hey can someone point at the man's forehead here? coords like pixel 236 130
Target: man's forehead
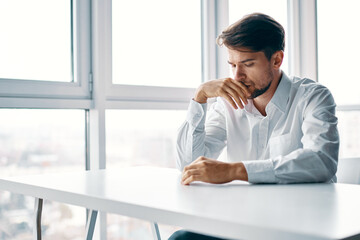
pixel 243 54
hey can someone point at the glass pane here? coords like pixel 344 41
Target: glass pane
pixel 338 51
pixel 125 228
pixel 349 131
pixel 156 43
pixel 277 9
pixel 35 42
pixel 34 141
pixel 140 137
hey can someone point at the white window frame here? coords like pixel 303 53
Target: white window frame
pixel 124 96
pixel 46 94
pixel 302 34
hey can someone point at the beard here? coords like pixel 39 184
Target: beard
pixel 257 92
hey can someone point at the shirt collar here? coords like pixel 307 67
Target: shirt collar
pixel 281 95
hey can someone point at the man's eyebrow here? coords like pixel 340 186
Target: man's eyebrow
pixel 244 61
pixel 248 60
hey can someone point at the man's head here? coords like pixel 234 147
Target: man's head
pixel 255 32
pixel 255 46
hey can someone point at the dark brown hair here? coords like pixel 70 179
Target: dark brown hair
pixel 255 32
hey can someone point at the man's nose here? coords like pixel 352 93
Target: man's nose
pixel 239 74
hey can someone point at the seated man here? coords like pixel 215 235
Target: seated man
pixel 277 129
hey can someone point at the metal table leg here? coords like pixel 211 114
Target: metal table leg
pixel 37 218
pixel 90 225
pixel 155 231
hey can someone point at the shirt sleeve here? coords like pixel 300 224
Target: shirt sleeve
pixel 317 160
pixel 195 138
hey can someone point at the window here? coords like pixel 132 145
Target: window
pixel 27 45
pixel 134 138
pixel 338 66
pixel 349 131
pixel 157 47
pixel 44 48
pixel 337 49
pixel 142 137
pixel 34 141
pixel 156 62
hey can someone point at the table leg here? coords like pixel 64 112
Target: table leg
pixel 155 231
pixel 90 225
pixel 37 218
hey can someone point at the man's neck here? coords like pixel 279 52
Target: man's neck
pixel 262 101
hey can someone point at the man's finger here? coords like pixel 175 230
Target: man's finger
pixel 191 179
pixel 199 159
pixel 239 91
pixel 229 99
pixel 235 96
pixel 244 88
pixel 193 165
pixel 189 173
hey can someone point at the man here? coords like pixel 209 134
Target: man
pixel 276 129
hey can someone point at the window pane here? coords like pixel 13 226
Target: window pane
pixel 277 9
pixel 349 131
pixel 140 137
pixel 34 141
pixel 156 43
pixel 125 228
pixel 338 51
pixel 35 42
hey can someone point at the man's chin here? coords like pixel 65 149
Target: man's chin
pixel 258 92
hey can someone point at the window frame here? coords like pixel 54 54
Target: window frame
pixel 27 91
pixel 119 95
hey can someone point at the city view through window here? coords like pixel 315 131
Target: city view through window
pixel 36 141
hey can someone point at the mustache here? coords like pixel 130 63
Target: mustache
pixel 247 84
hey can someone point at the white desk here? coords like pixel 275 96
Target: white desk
pixel 236 210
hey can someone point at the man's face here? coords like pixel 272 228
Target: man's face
pixel 253 69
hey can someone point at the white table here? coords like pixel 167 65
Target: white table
pixel 237 210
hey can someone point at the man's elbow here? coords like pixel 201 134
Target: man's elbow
pixel 330 169
pixel 331 174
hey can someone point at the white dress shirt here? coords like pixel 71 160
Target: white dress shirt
pixel 297 140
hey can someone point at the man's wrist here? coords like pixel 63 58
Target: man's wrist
pixel 199 96
pixel 200 99
pixel 239 171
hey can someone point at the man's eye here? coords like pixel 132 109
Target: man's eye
pixel 249 64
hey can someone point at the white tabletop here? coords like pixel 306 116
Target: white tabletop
pixel 237 210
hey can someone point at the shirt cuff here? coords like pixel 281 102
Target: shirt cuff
pixel 260 171
pixel 196 114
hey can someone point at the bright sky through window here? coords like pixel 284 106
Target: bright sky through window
pixel 156 43
pixel 35 42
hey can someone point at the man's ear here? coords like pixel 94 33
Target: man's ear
pixel 277 58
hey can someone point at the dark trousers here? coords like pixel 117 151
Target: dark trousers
pixel 185 235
